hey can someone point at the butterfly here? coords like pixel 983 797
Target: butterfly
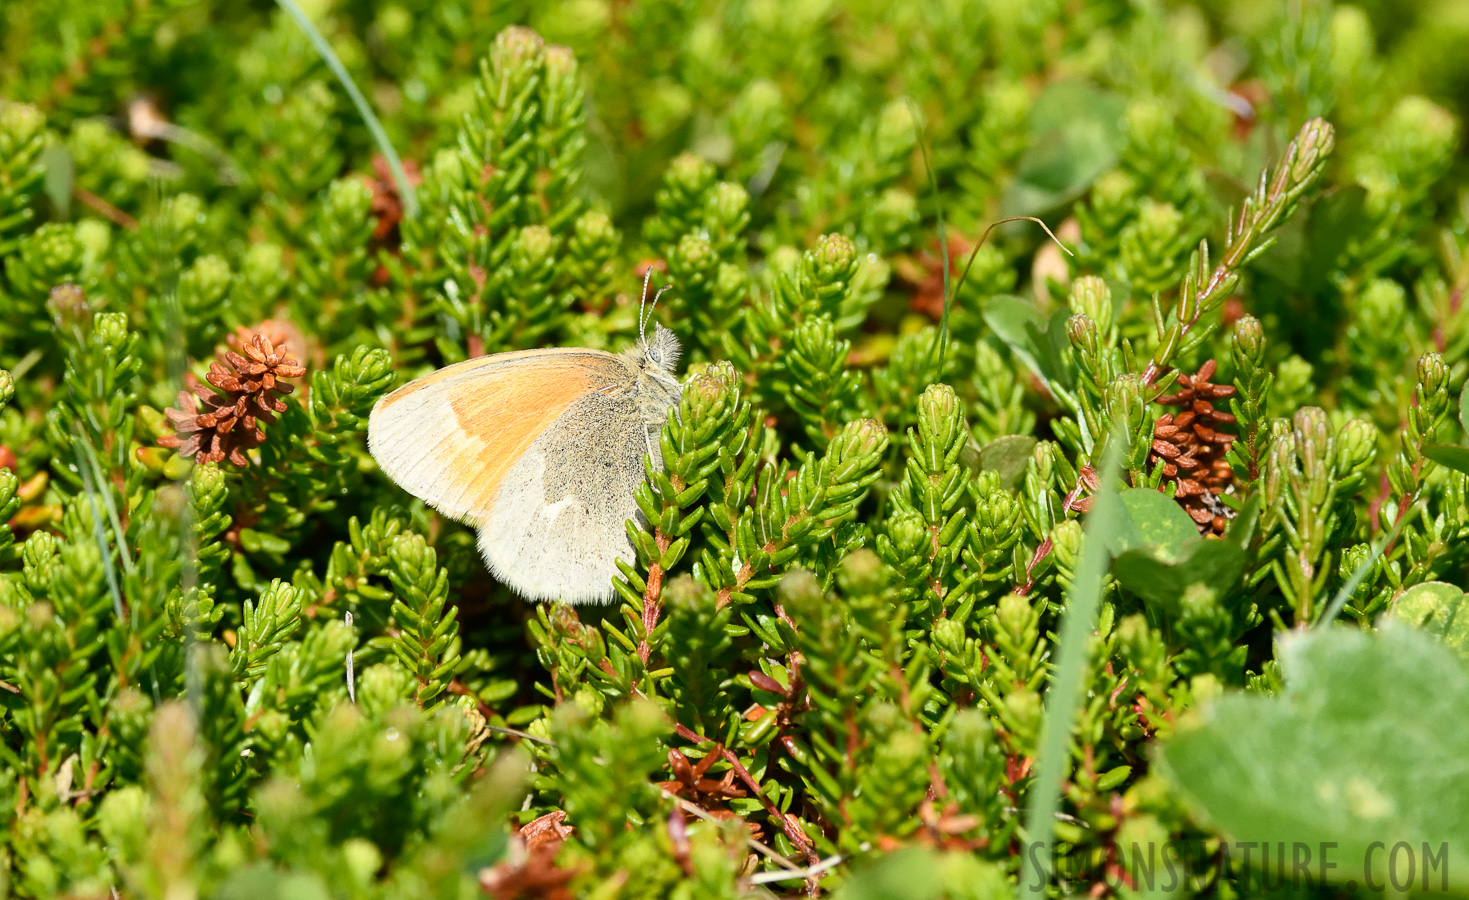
pixel 541 450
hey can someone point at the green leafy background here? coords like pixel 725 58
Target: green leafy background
pixel 828 668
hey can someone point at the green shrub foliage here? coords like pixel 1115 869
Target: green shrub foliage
pixel 827 668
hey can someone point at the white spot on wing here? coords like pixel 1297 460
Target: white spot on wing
pixel 560 506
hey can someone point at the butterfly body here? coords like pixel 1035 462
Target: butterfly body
pixel 542 450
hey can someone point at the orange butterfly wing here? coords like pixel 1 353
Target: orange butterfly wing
pixel 451 436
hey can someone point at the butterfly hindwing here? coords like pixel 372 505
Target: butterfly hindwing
pixel 559 524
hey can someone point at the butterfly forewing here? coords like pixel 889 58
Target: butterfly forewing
pixel 452 436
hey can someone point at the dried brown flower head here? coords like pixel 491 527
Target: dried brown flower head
pixel 1192 448
pixel 529 870
pixel 924 272
pixel 222 422
pixel 706 793
pixel 387 205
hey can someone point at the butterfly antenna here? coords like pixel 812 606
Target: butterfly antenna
pixel 656 297
pixel 643 302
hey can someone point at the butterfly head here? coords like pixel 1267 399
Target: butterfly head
pixel 661 351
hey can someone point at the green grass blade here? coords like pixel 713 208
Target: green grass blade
pixel 1344 593
pixel 106 496
pixel 942 344
pixel 1065 695
pixel 99 531
pixel 379 136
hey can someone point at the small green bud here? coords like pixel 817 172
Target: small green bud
pixel 1313 143
pixel 728 206
pixel 7 386
pixel 1383 304
pixel 757 112
pixel 111 329
pixel 1356 446
pixel 534 245
pixel 862 573
pixel 1153 245
pixel 1023 709
pixel 1149 122
pixel 1124 404
pixel 1279 462
pixel 263 263
pixel 948 636
pixel 1113 190
pixel 690 173
pixel 380 687
pixel 1248 345
pixel 1424 137
pixel 594 227
pixel 123 820
pixel 1082 332
pixel 940 417
pixel 895 210
pixel 48 256
pixel 1314 446
pixel 1205 687
pixel 1013 612
pixel 363 859
pixel 348 200
pixel 908 532
pixel 970 735
pixel 20 124
pixel 68 306
pixel 833 260
pixel 1293 385
pixel 800 592
pixel 711 389
pixel 884 718
pixel 95 238
pixel 1066 543
pixel 207 279
pixel 857 443
pixel 1433 375
pixel 667 106
pixel 515 48
pixel 730 281
pixel 642 721
pixel 184 212
pixel 208 482
pixel 1131 629
pixel 687 592
pixel 1091 297
pixel 692 254
pixel 561 64
pixel 589 701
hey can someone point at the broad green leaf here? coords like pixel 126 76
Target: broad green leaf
pixel 1039 342
pixel 1439 609
pixel 1367 744
pixel 1009 317
pixel 1152 520
pixel 1242 528
pixel 1202 565
pixel 1306 249
pixel 1076 135
pixel 1451 455
pixel 1009 455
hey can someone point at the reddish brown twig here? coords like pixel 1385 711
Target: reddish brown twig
pixel 791 829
